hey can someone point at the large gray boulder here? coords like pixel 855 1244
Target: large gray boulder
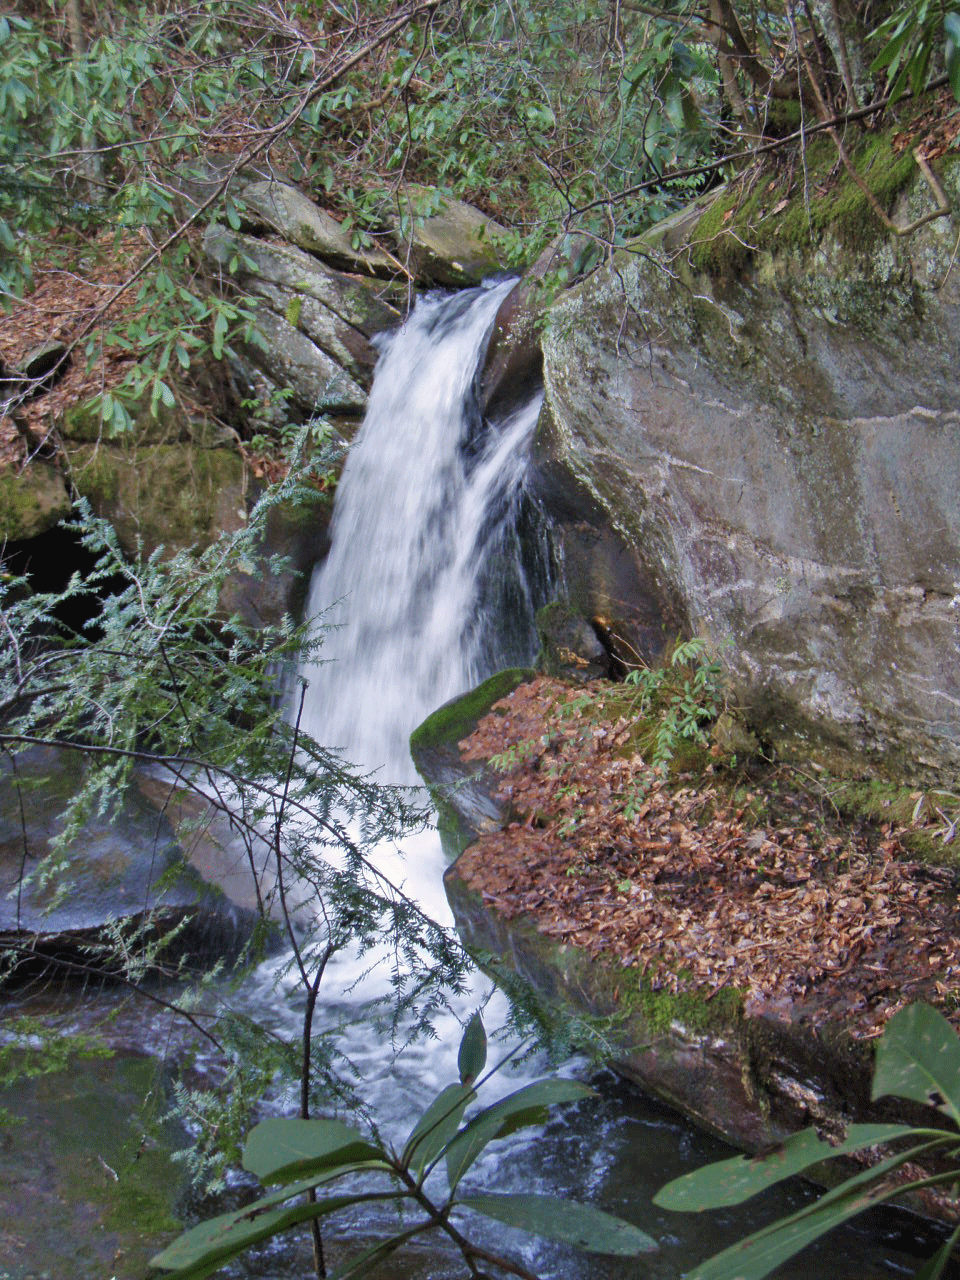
pixel 294 216
pixel 315 322
pixel 367 306
pixel 121 872
pixel 777 435
pixel 446 241
pixel 317 383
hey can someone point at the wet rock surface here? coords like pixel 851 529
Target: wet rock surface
pixel 120 872
pixel 87 1183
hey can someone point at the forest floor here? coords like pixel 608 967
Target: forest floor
pixel 749 877
pixel 71 292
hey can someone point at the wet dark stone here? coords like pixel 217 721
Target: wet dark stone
pixel 124 870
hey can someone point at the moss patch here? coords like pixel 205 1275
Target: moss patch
pixel 174 495
pixel 794 208
pixel 85 1172
pixel 924 819
pixel 31 502
pixel 458 717
pixel 646 1011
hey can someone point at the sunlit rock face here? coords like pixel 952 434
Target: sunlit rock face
pixel 779 440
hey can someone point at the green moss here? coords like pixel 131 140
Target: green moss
pixel 174 495
pixel 97 478
pixel 796 209
pixel 881 801
pixel 717 242
pixel 31 502
pixel 87 1173
pixel 458 718
pixel 696 1011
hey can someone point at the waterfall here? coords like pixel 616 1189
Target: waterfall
pixel 424 592
pixel 424 552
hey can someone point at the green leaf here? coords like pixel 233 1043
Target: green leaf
pixel 760 1253
pixel 567 1221
pixel 285 1148
pixel 473 1051
pixel 951 28
pixel 436 1126
pixel 731 1182
pixel 207 1246
pixel 525 1107
pixel 889 55
pixel 220 327
pixel 935 1268
pixel 919 65
pixel 919 1058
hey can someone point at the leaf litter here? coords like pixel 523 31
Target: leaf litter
pixel 678 878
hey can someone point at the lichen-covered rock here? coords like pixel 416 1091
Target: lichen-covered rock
pixel 318 383
pixel 175 496
pixel 315 323
pixel 780 442
pixel 294 216
pixel 368 306
pixel 31 501
pixel 450 243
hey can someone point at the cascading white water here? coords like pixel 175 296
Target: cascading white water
pixel 424 503
pixel 424 519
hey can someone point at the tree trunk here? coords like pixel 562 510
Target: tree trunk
pixel 89 167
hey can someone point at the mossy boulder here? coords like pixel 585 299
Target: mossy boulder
pixel 464 799
pixel 177 496
pixel 770 420
pixel 150 424
pixel 451 243
pixel 87 1179
pixel 750 1070
pixel 31 501
pixel 294 216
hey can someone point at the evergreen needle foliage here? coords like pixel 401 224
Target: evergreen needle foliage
pixel 160 679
